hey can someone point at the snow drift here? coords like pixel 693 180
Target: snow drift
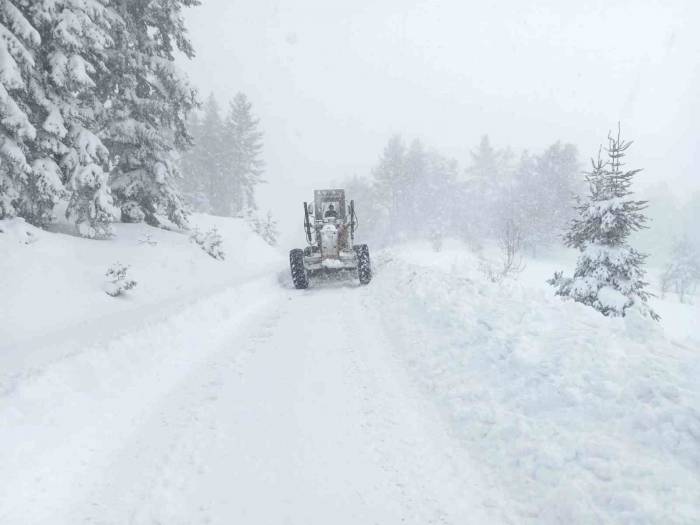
pixel 577 416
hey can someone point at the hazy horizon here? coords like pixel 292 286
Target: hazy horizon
pixel 331 84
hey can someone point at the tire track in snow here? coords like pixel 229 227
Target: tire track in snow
pixel 167 454
pixel 300 416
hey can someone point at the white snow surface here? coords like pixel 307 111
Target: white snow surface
pixel 575 416
pixel 55 283
pixel 214 392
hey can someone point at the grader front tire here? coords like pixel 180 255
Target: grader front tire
pixel 296 265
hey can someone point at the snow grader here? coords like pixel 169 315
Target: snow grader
pixel 330 228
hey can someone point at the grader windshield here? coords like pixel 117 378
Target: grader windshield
pixel 325 199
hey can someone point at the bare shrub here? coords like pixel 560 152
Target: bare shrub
pixel 510 262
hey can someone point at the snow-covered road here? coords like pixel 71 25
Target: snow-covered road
pixel 292 409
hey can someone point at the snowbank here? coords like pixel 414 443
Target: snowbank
pixel 55 282
pixel 53 286
pixel 80 370
pixel 578 417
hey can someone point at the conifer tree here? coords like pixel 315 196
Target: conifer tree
pixel 609 275
pixel 190 182
pixel 544 185
pixel 51 48
pixel 412 196
pixel 147 105
pixel 76 77
pixel 368 209
pixel 18 39
pixel 205 162
pixel 243 142
pixel 390 177
pixel 682 272
pixel 75 43
pixel 438 198
pixel 486 161
pixel 488 186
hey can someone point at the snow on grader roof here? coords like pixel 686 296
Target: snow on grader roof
pixel 330 227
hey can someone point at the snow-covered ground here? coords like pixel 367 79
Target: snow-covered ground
pixel 55 281
pixel 215 393
pixel 577 417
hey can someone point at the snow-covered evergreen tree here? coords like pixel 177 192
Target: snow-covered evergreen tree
pixel 270 230
pixel 414 193
pixel 412 197
pixel 438 198
pixel 544 185
pixel 367 208
pixel 193 181
pixel 682 273
pixel 90 206
pixel 117 280
pixel 489 181
pixel 77 76
pixel 75 43
pixel 204 164
pixel 209 241
pixel 487 162
pixel 609 275
pixel 224 166
pixel 147 106
pixel 18 39
pixel 243 143
pixel 390 180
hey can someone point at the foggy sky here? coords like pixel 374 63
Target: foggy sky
pixel 331 80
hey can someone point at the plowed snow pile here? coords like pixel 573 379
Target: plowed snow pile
pixel 578 417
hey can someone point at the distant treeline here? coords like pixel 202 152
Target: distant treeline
pixel 415 192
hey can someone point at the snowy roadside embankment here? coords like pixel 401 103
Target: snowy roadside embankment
pixel 52 284
pixel 578 417
pixel 64 423
pixel 80 370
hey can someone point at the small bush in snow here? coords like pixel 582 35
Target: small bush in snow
pixel 210 242
pixel 117 280
pixel 511 262
pixel 266 228
pixel 147 239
